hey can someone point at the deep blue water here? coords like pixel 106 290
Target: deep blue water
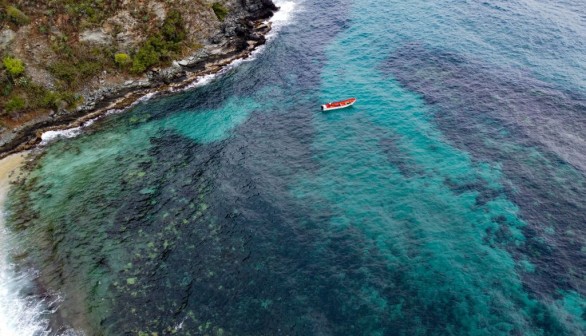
pixel 450 200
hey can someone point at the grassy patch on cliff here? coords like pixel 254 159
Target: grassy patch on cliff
pixel 73 72
pixel 17 16
pixel 122 60
pixel 12 15
pixel 86 12
pixel 220 11
pixel 161 46
pixel 20 94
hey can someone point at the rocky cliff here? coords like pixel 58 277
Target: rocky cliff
pixel 63 59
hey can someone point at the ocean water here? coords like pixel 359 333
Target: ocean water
pixel 450 200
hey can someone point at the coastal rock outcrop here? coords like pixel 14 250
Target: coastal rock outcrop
pixel 79 58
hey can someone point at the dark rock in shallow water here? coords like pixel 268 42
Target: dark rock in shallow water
pixel 534 131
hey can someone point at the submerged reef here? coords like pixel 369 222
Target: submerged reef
pixel 534 132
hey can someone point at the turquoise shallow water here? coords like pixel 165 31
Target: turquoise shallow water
pixel 450 200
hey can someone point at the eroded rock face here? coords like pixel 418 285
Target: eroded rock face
pixel 6 36
pixel 159 10
pixel 124 28
pixel 96 36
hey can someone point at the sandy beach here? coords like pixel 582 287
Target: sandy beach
pixel 9 168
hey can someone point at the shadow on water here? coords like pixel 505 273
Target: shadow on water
pixel 534 132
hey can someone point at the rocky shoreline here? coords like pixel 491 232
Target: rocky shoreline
pixel 237 41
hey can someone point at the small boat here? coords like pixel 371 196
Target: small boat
pixel 338 105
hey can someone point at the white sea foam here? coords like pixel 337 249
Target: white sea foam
pixel 142 99
pixel 19 316
pixel 206 79
pixel 50 136
pixel 283 16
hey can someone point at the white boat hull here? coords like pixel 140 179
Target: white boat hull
pixel 325 108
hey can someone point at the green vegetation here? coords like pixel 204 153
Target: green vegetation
pixel 6 86
pixel 60 46
pixel 162 45
pixel 173 30
pixel 27 95
pixel 17 16
pixel 64 71
pixel 220 11
pixel 78 63
pixel 122 60
pixel 53 99
pixel 22 94
pixel 15 104
pixel 88 12
pixel 73 72
pixel 49 99
pixel 14 66
pixel 146 57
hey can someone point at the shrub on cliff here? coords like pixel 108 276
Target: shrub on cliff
pixel 162 45
pixel 173 30
pixel 85 13
pixel 64 71
pixel 122 60
pixel 38 97
pixel 6 87
pixel 220 11
pixel 14 66
pixel 17 16
pixel 54 99
pixel 15 104
pixel 72 72
pixel 146 57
